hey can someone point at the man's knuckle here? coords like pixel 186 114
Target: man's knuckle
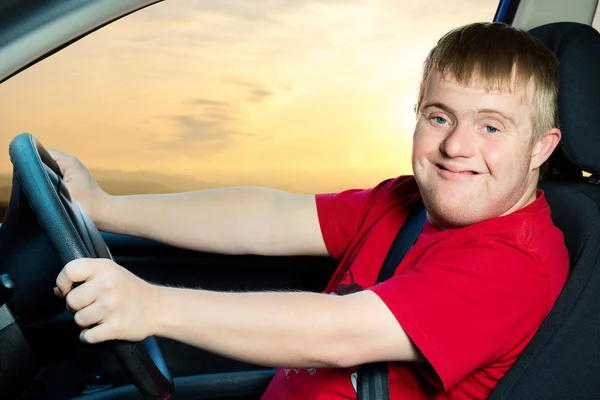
pixel 90 336
pixel 111 303
pixel 70 270
pixel 78 319
pixel 71 301
pixel 108 284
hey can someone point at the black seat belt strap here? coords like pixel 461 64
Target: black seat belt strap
pixel 373 378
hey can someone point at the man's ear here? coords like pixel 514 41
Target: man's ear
pixel 543 148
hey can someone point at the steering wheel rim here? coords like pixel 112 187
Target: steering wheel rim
pixel 72 235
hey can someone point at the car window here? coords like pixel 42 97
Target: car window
pixel 311 96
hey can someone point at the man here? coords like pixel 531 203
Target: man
pixel 464 302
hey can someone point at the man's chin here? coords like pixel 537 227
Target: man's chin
pixel 455 214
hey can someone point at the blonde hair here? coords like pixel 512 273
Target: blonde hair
pixel 500 57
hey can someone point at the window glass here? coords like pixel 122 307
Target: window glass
pixel 596 21
pixel 308 96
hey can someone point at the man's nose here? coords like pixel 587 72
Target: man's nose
pixel 460 142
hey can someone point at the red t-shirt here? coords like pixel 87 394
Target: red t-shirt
pixel 470 298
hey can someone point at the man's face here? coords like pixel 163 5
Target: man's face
pixel 472 152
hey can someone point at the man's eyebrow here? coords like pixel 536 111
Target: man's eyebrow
pixel 500 113
pixel 439 105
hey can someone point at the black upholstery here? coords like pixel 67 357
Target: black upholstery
pixel 577 47
pixel 563 359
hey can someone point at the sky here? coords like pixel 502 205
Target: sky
pixel 309 95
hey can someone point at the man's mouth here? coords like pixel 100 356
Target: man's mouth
pixel 456 170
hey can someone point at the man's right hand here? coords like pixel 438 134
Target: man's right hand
pixel 80 183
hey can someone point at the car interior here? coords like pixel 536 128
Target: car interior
pixel 41 356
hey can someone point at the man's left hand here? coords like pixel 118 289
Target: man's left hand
pixel 110 303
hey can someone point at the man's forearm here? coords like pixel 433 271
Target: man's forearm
pixel 241 220
pixel 295 330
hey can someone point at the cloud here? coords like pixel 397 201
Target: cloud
pixel 222 117
pixel 200 133
pixel 209 127
pixel 241 83
pixel 213 110
pixel 259 94
pixel 255 91
pixel 207 102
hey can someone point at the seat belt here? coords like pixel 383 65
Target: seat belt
pixel 373 378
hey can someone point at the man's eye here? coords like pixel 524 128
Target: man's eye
pixel 440 120
pixel 491 129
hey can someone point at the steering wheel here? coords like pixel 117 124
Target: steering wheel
pixel 72 235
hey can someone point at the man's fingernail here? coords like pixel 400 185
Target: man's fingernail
pixel 57 292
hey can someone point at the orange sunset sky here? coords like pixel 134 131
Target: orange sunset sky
pixel 308 95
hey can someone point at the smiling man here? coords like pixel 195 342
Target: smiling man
pixel 467 298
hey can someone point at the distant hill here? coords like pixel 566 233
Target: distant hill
pixel 5 194
pixel 119 183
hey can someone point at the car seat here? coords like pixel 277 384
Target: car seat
pixel 562 361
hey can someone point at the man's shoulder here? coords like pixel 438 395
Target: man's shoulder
pixel 396 193
pixel 400 185
pixel 545 242
pixel 393 200
pixel 389 194
pixel 527 237
pixel 525 226
pixel 348 216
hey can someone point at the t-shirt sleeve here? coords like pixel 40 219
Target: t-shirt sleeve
pixel 342 214
pixel 469 307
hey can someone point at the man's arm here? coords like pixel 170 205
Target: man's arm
pixel 239 220
pixel 293 330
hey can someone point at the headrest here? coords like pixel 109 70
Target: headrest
pixel 577 47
